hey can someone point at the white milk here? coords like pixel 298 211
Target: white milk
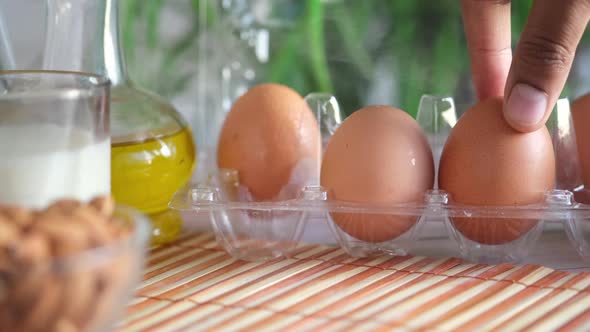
pixel 42 163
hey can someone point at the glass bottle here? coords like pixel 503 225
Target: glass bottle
pixel 152 151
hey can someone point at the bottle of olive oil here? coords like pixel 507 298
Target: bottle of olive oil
pixel 153 151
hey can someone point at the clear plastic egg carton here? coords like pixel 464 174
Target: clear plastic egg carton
pixel 254 230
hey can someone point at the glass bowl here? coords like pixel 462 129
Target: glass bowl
pixel 87 291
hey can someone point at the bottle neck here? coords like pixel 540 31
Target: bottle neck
pixel 114 59
pixel 83 35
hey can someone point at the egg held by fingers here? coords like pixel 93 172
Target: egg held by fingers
pixel 581 120
pixel 487 163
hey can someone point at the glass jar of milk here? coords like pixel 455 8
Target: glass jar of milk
pixel 54 137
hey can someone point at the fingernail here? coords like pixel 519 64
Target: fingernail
pixel 526 105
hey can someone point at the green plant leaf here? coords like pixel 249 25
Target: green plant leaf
pixel 153 10
pixel 352 41
pixel 317 56
pixel 129 14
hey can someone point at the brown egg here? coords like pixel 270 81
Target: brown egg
pixel 269 132
pixel 378 155
pixel 486 162
pixel 581 118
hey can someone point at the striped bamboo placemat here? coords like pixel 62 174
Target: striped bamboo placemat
pixel 194 285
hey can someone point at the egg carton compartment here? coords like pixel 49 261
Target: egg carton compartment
pixel 480 234
pixel 261 230
pixel 267 230
pixel 246 230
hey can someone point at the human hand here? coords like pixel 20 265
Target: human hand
pixel 531 82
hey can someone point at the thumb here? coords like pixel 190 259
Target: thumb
pixel 543 60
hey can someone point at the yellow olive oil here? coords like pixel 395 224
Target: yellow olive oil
pixel 146 174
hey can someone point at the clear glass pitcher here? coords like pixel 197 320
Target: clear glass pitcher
pixel 152 150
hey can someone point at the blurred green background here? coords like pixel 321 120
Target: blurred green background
pixel 372 51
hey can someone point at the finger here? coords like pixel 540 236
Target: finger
pixel 487 29
pixel 543 60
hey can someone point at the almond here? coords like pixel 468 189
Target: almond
pixel 64 325
pixel 78 295
pixel 25 289
pixel 33 248
pixel 18 215
pixel 66 237
pixel 105 205
pixel 7 320
pixel 4 288
pixel 46 309
pixel 9 232
pixel 63 206
pixel 98 231
pixel 102 306
pixel 112 280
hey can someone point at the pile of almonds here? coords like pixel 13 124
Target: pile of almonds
pixel 50 280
